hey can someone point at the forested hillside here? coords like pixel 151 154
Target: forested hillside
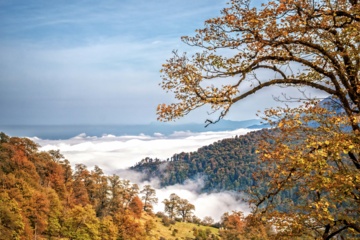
pixel 42 197
pixel 228 164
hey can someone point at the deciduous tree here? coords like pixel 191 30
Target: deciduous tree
pixel 11 221
pixel 208 221
pixel 149 197
pixel 55 213
pixel 136 207
pixel 185 209
pixel 81 223
pixel 232 224
pixel 171 205
pixel 108 230
pixel 313 155
pixel 176 206
pixel 298 44
pixel 37 212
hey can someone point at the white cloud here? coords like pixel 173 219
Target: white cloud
pixel 111 152
pixel 114 154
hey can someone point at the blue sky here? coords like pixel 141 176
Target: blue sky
pixel 95 62
pixel 90 62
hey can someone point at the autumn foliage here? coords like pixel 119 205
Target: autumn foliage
pixel 296 43
pixel 41 197
pixel 314 153
pixel 176 206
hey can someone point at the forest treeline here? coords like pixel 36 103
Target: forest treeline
pixel 41 196
pixel 227 164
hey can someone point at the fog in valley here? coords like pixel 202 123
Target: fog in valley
pixel 115 154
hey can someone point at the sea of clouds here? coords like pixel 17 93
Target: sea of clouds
pixel 115 154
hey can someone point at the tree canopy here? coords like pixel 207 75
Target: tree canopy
pixel 315 151
pixel 176 206
pixel 314 156
pixel 41 197
pixel 312 43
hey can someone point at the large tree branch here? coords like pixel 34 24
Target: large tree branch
pixel 329 236
pixel 354 160
pixel 354 226
pixel 291 59
pixel 324 53
pixel 284 81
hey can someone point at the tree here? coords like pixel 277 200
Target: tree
pixel 315 152
pixel 115 193
pixel 232 224
pixel 185 209
pixel 81 184
pixel 298 43
pixel 311 156
pixel 128 227
pixel 171 205
pixel 108 230
pixel 136 207
pixel 38 211
pixel 11 221
pixel 207 221
pixel 149 197
pixel 81 223
pixel 127 192
pixel 55 213
pixel 100 191
pixel 176 206
pixel 237 227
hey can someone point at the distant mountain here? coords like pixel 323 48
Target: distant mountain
pixel 69 131
pixel 223 125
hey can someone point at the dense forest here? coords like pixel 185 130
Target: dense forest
pixel 43 197
pixel 227 164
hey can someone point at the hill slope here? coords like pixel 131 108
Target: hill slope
pixel 41 197
pixel 224 165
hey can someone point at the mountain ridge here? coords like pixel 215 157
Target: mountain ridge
pixel 227 164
